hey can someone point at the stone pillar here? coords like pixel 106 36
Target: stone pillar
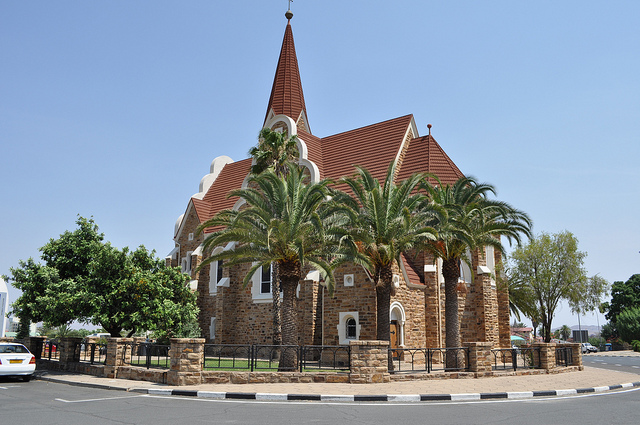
pixel 576 354
pixel 118 354
pixel 69 349
pixel 547 355
pixel 187 360
pixel 35 345
pixel 479 356
pixel 369 362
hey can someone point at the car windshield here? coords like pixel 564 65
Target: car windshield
pixel 13 349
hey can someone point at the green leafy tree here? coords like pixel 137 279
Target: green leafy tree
pixel 133 290
pixel 88 280
pixel 628 324
pixel 282 223
pixel 591 298
pixel 624 295
pixel 551 266
pixel 274 151
pixel 468 220
pixel 383 221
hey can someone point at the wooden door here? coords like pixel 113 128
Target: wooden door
pixel 393 336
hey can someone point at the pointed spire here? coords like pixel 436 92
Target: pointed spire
pixel 286 94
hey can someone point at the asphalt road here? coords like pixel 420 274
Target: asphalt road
pixel 620 364
pixel 39 402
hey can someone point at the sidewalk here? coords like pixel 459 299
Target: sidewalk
pixel 528 386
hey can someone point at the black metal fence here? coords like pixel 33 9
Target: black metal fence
pixel 429 359
pixel 564 356
pixel 145 354
pixel 253 357
pixel 92 353
pixel 516 358
pixel 50 350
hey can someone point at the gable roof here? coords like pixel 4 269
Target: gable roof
pixel 287 97
pixel 425 155
pixel 372 147
pixel 230 178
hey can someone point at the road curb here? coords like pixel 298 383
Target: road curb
pixel 343 398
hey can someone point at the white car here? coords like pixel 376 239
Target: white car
pixel 16 360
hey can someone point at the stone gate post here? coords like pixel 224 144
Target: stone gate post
pixel 479 357
pixel 187 361
pixel 117 355
pixel 369 362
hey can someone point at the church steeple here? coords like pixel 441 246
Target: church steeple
pixel 287 97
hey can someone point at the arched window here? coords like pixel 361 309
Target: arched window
pixel 351 328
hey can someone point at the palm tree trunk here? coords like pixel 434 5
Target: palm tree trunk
pixel 277 325
pixel 383 304
pixel 451 273
pixel 289 357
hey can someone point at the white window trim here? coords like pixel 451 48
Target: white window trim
pixel 212 329
pixel 400 318
pixel 342 327
pixel 256 284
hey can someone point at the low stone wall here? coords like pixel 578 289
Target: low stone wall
pixel 369 364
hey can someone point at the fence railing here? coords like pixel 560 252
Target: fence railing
pixel 564 356
pixel 92 353
pixel 145 354
pixel 253 357
pixel 516 358
pixel 50 350
pixel 429 359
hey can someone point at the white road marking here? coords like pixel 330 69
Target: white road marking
pixel 89 400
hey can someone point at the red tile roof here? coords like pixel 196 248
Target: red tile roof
pixel 426 155
pixel 230 178
pixel 373 146
pixel 286 94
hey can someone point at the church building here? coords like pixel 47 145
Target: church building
pixel 231 314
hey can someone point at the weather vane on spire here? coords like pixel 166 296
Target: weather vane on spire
pixel 289 13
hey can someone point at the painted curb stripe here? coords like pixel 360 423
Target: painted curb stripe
pixel 614 387
pixel 465 397
pixel 435 397
pixel 336 397
pixel 156 391
pixel 585 390
pixel 271 397
pixel 520 394
pixel 403 397
pixel 566 392
pixel 305 397
pixel 212 394
pixel 185 393
pixel 241 396
pixel 544 393
pixel 487 396
pixel 370 398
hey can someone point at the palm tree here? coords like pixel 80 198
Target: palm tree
pixel 274 151
pixel 565 332
pixel 467 220
pixel 382 221
pixel 282 223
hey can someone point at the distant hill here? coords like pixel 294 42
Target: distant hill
pixel 593 329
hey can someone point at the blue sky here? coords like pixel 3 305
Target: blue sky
pixel 116 109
